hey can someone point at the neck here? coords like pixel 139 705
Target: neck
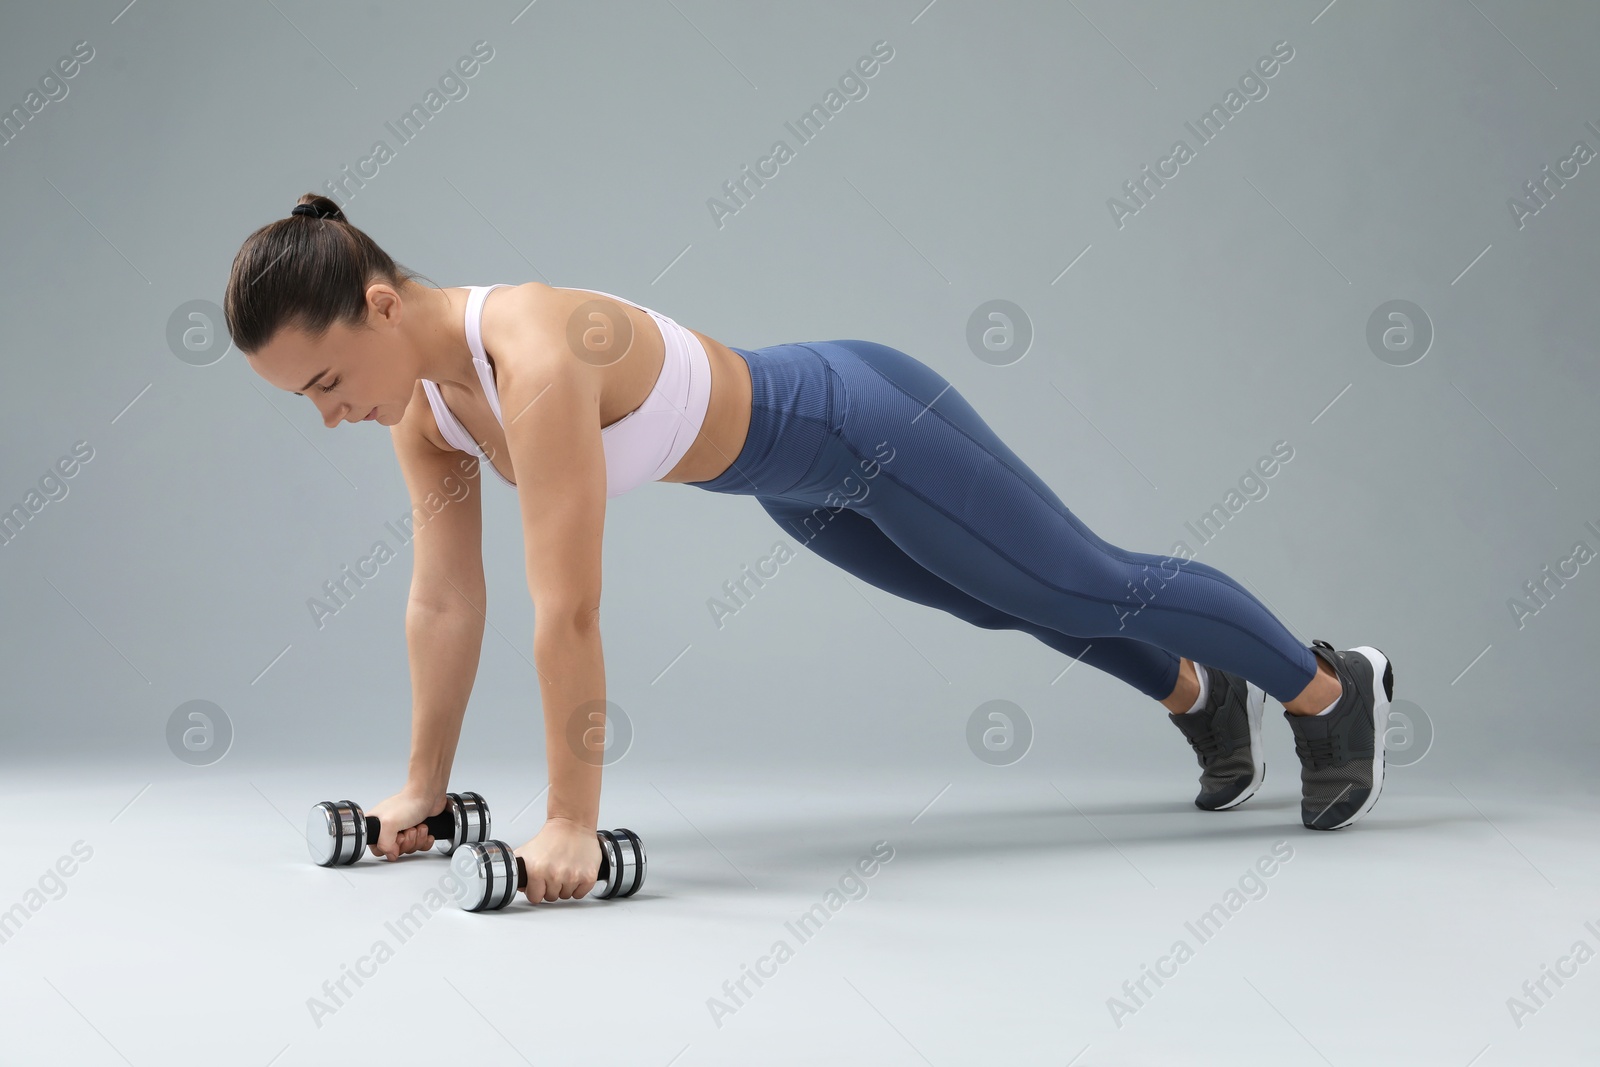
pixel 440 334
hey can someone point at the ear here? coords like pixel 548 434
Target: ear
pixel 383 303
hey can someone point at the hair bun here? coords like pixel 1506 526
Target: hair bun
pixel 321 208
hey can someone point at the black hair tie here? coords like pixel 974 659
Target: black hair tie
pixel 312 209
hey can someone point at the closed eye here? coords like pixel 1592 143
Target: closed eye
pixel 329 387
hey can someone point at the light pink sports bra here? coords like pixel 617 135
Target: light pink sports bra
pixel 640 447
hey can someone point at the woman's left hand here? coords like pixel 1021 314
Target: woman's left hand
pixel 563 861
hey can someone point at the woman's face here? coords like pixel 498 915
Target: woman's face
pixel 350 373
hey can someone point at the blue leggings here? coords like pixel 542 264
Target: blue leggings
pixel 876 463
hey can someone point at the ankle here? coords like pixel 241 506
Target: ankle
pixel 1185 691
pixel 1323 690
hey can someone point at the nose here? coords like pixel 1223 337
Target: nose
pixel 336 416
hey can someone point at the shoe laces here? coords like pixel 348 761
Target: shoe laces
pixel 1320 752
pixel 1207 742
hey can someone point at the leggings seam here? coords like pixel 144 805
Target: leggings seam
pixel 1019 565
pixel 1022 475
pixel 946 420
pixel 1111 550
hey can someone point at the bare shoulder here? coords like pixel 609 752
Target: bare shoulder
pixel 527 334
pixel 529 311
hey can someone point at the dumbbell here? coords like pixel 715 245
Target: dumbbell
pixel 338 832
pixel 494 874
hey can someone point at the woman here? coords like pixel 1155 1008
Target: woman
pixel 863 453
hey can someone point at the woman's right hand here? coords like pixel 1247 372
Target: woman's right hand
pixel 399 823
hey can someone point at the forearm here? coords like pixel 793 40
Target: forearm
pixel 572 690
pixel 444 646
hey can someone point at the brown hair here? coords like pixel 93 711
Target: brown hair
pixel 304 271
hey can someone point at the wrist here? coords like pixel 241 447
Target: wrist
pixel 572 823
pixel 424 792
pixel 428 772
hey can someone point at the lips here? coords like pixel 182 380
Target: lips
pixel 370 414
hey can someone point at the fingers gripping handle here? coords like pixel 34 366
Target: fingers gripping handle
pixel 601 878
pixel 338 833
pixel 441 826
pixel 493 874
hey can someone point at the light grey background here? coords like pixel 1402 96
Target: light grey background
pixel 1229 313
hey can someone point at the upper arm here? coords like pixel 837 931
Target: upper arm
pixel 550 402
pixel 447 518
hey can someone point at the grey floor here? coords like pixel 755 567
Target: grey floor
pixel 1015 905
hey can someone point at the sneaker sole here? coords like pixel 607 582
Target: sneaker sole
pixel 1254 706
pixel 1382 695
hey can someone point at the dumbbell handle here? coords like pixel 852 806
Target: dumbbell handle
pixel 600 876
pixel 442 826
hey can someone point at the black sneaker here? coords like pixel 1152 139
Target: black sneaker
pixel 1226 738
pixel 1341 753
